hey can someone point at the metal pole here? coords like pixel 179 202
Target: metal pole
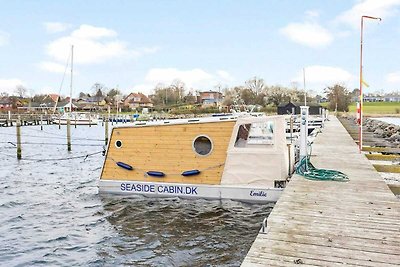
pixel 360 130
pixel 303 133
pixel 361 93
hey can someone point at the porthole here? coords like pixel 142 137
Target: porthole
pixel 202 145
pixel 118 144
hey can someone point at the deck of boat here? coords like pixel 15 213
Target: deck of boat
pixel 326 223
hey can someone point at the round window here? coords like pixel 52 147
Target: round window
pixel 118 144
pixel 202 145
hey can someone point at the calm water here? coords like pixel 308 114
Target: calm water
pixel 391 120
pixel 51 213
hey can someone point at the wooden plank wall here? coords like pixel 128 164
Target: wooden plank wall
pixel 168 148
pixel 325 223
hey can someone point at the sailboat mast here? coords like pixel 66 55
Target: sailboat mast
pixel 72 71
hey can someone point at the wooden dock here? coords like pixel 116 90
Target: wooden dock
pixel 326 223
pixel 26 119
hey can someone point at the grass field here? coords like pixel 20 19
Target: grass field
pixel 378 107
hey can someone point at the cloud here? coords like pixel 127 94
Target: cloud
pixel 393 77
pixel 312 14
pixel 310 34
pixel 92 45
pixel 376 8
pixel 194 78
pixel 52 67
pixel 56 27
pixel 224 75
pixel 4 37
pixel 321 76
pixel 9 85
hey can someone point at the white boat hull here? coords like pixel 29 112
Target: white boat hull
pixel 76 122
pixel 150 189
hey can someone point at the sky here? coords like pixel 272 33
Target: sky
pixel 135 45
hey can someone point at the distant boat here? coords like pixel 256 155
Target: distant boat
pixel 77 118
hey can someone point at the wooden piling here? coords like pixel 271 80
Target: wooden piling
pixel 59 121
pixel 41 122
pixel 68 134
pixel 289 146
pixel 106 131
pixel 19 148
pixel 75 121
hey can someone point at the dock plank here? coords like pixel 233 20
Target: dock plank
pixel 325 223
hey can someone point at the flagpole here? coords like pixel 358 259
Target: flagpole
pixel 360 130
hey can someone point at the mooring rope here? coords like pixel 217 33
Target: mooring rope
pixel 57 137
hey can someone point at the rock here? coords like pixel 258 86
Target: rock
pixel 395 137
pixel 378 132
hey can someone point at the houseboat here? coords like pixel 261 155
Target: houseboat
pixel 243 157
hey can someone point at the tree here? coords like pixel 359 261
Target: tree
pixel 178 89
pixel 277 95
pixel 21 91
pixel 113 92
pixel 39 98
pixel 190 98
pixel 255 85
pixel 98 90
pixel 248 96
pixel 339 97
pixel 160 96
pixel 82 95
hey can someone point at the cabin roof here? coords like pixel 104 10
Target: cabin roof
pixel 298 104
pixel 195 120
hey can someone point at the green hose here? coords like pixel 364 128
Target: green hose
pixel 306 169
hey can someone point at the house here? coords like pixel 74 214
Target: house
pixel 372 98
pixel 6 103
pixel 52 98
pixel 294 108
pixel 392 98
pixel 91 103
pixel 210 98
pixel 137 100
